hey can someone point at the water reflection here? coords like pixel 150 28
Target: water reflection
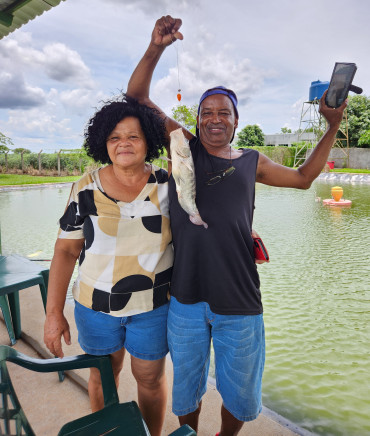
pixel 316 299
pixel 315 295
pixel 29 221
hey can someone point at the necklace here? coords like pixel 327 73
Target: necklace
pixel 220 175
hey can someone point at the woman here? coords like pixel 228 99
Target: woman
pixel 117 224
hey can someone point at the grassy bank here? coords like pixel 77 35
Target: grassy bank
pixel 24 179
pixel 350 170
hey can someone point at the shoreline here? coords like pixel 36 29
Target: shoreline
pixel 344 177
pixel 328 177
pixel 6 188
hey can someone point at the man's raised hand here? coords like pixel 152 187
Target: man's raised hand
pixel 166 31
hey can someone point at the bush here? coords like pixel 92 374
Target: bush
pixel 358 111
pixel 364 140
pixel 70 163
pixel 250 136
pixel 281 155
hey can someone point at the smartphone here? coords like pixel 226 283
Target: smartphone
pixel 260 252
pixel 340 83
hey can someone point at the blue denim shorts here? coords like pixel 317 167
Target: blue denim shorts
pixel 143 335
pixel 239 348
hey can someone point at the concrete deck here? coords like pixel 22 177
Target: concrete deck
pixel 49 404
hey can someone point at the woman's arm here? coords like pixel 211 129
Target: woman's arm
pixel 66 253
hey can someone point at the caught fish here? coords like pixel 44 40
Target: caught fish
pixel 184 175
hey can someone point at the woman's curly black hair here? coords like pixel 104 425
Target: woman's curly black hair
pixel 105 120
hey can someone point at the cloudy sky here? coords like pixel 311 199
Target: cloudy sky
pixel 56 69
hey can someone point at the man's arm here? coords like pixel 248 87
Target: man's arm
pixel 165 32
pixel 273 174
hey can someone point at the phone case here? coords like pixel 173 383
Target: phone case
pixel 260 251
pixel 340 82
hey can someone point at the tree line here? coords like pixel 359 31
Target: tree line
pixel 76 161
pixel 358 116
pixel 64 162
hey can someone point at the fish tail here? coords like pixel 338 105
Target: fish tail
pixel 197 220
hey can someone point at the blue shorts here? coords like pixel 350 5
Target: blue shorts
pixel 143 335
pixel 239 347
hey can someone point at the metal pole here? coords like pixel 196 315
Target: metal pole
pixel 59 162
pixel 6 160
pixel 346 119
pixel 22 161
pixel 39 158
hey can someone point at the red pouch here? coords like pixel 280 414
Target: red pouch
pixel 260 252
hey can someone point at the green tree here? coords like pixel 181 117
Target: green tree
pixel 286 130
pixel 5 142
pixel 186 116
pixel 364 140
pixel 20 150
pixel 358 112
pixel 250 136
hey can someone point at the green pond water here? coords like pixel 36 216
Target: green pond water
pixel 315 294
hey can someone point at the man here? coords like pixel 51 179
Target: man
pixel 215 285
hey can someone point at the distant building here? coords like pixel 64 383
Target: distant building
pixel 288 138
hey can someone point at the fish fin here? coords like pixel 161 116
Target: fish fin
pixel 180 182
pixel 197 220
pixel 188 165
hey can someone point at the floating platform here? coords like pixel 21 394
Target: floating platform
pixel 340 203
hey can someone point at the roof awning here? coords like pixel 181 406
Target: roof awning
pixel 15 13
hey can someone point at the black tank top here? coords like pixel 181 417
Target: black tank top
pixel 216 265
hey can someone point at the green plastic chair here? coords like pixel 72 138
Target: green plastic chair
pixel 10 285
pixel 17 273
pixel 14 263
pixel 115 418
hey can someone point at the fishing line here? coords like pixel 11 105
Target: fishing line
pixel 178 72
pixel 179 96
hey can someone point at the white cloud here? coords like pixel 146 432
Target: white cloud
pixel 69 58
pixel 38 123
pixel 201 69
pixel 16 93
pixel 42 113
pixel 81 101
pixel 41 129
pixel 63 64
pixel 56 60
pixel 151 7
